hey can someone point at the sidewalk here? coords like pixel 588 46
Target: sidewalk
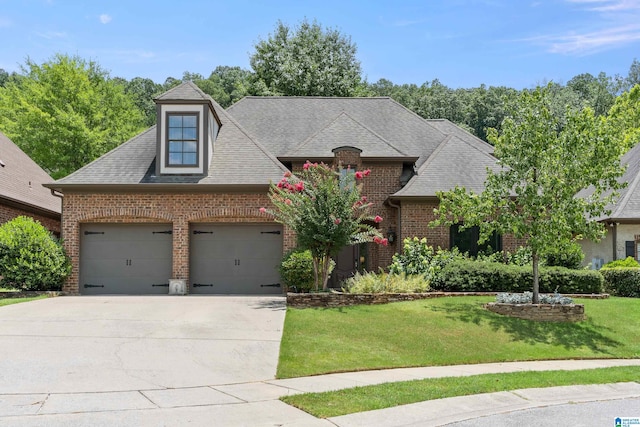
pixel 445 411
pixel 257 404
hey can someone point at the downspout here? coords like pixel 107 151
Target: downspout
pixel 61 196
pixel 399 220
pixel 614 235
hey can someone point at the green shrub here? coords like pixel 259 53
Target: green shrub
pixel 622 282
pixel 372 283
pixel 296 270
pixel 31 259
pixel 418 258
pixel 628 262
pixel 480 276
pixel 568 256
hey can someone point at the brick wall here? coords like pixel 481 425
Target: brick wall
pixel 7 213
pixel 180 210
pixel 416 217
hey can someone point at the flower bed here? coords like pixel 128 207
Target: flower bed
pixel 339 299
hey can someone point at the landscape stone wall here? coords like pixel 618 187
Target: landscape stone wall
pixel 540 312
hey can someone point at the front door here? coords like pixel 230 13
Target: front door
pixel 346 265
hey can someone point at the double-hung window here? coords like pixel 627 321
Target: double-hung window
pixel 183 140
pixel 467 240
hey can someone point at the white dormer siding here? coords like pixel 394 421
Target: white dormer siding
pixel 213 132
pixel 166 161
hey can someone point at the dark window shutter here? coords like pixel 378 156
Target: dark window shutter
pixel 629 249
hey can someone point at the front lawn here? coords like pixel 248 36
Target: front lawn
pixel 448 331
pixel 9 301
pixel 369 398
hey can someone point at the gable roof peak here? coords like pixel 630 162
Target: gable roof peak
pixel 344 127
pixel 186 91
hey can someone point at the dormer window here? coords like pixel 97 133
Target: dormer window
pixel 186 132
pixel 183 139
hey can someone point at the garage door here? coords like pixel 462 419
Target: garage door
pixel 125 258
pixel 235 259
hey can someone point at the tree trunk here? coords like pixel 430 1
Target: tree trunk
pixel 316 275
pixel 536 277
pixel 326 261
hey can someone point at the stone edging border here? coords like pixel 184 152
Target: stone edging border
pixel 28 294
pixel 339 299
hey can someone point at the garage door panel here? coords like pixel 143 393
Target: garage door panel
pixel 235 259
pixel 125 258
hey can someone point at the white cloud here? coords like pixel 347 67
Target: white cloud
pixel 607 24
pixel 592 42
pixel 105 19
pixel 608 5
pixel 5 22
pixel 49 35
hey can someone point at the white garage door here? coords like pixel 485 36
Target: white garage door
pixel 132 259
pixel 235 259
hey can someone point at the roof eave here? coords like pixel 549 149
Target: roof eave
pixel 19 204
pixel 377 159
pixel 159 187
pixel 191 102
pixel 422 198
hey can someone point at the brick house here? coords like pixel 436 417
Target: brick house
pixel 181 200
pixel 21 190
pixel 623 224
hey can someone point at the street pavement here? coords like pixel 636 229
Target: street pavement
pixel 211 361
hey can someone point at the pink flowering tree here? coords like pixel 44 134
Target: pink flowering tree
pixel 325 210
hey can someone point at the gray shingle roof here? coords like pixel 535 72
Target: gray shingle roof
pixel 21 178
pixel 257 130
pixel 627 206
pixel 237 158
pixel 456 162
pixel 283 123
pixel 445 126
pixel 344 130
pixel 187 91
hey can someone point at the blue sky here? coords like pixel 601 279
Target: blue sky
pixel 463 43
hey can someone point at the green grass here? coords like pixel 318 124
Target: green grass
pixel 448 331
pixel 359 399
pixel 9 301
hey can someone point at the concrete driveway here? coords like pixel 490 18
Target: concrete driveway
pixel 93 360
pixel 118 343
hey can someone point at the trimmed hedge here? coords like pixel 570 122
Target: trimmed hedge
pixel 622 282
pixel 474 276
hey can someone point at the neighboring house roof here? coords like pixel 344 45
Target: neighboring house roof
pixel 21 179
pixel 237 158
pixel 456 162
pixel 627 206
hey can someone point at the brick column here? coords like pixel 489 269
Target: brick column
pixel 181 249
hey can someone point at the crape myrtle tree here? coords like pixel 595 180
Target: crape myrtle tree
pixel 533 194
pixel 326 211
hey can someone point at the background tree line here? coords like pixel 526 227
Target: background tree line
pixel 69 111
